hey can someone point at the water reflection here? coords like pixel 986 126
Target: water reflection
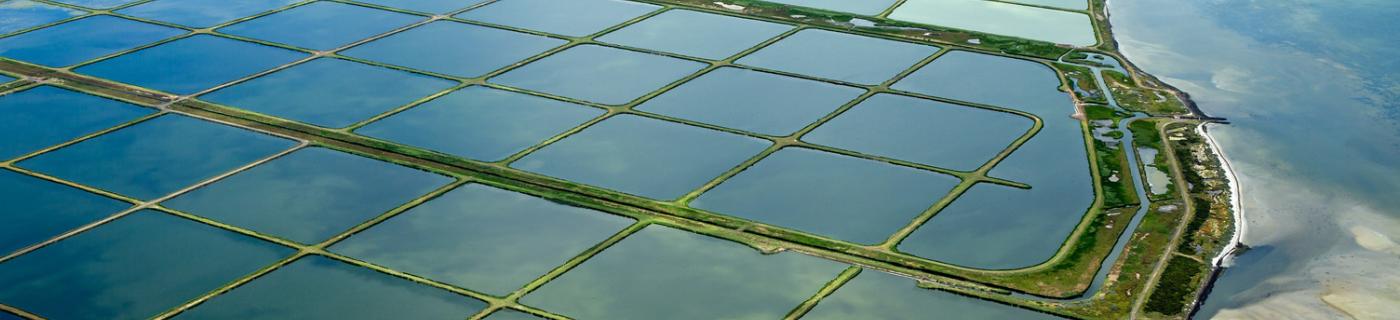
pixel 575 72
pixel 82 40
pixel 923 131
pixel 429 6
pixel 329 92
pixel 650 158
pixel 751 100
pixel 97 4
pixel 309 195
pixel 1001 18
pixel 422 48
pixel 481 123
pixel 45 116
pixel 316 287
pixel 321 25
pixel 24 14
pixel 852 199
pixel 982 228
pixel 201 13
pixel 1310 89
pixel 708 36
pixel 483 238
pixel 686 276
pixel 157 157
pixel 36 210
pixel 191 64
pixel 876 295
pixel 571 18
pixel 132 268
pixel 839 56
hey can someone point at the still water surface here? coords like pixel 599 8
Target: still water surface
pixel 1313 90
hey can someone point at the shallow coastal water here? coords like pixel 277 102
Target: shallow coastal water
pixel 1313 93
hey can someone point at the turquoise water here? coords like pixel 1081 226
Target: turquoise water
pixel 753 101
pixel 645 157
pixel 329 92
pixel 191 64
pixel 44 116
pixel 36 210
pixel 82 40
pixel 483 238
pixel 135 267
pixel 97 4
pixel 508 314
pixel 575 73
pixel 309 195
pixel 839 56
pixel 570 18
pixel 923 131
pixel 876 295
pixel 429 6
pixel 481 123
pixel 865 7
pixel 316 287
pixel 846 198
pixel 23 14
pixel 708 36
pixel 321 25
pixel 201 13
pixel 686 276
pixel 5 78
pixel 1310 88
pixel 1062 4
pixel 157 157
pixel 423 48
pixel 1000 18
pixel 1001 227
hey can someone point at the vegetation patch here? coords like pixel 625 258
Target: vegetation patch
pixel 1177 286
pixel 1205 234
pixel 1082 83
pixel 1133 97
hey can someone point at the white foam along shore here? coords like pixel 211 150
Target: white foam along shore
pixel 1236 204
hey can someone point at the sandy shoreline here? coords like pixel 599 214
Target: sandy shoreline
pixel 1222 259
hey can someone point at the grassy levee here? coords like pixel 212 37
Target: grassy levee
pixel 1066 275
pixel 758 236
